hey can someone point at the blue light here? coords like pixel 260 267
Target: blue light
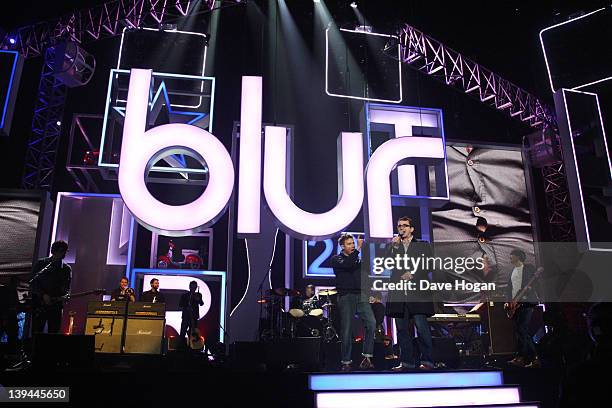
pixel 187 272
pixel 13 41
pixel 396 381
pixel 10 86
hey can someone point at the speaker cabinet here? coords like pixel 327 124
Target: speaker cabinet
pixel 144 336
pixel 501 330
pixel 303 351
pixel 59 351
pixel 108 332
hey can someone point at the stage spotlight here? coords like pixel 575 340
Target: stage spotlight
pixel 58 123
pixel 12 40
pixel 168 27
pixel 364 28
pixel 316 1
pixel 354 5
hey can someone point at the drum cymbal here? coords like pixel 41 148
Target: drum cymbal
pixel 329 292
pixel 286 292
pixel 297 313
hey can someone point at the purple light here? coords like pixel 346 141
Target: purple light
pixel 13 41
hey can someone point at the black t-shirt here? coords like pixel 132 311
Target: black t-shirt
pixel 153 297
pixel 190 305
pixel 118 296
pixel 55 280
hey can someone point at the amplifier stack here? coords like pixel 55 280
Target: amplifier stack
pixel 122 327
pixel 144 330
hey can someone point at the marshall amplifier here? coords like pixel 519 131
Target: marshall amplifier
pixel 147 309
pixel 144 331
pixel 106 321
pixel 106 308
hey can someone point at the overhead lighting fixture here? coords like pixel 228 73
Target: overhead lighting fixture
pixel 354 5
pixel 316 1
pixel 12 41
pixel 363 28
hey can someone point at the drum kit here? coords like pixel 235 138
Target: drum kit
pixel 312 317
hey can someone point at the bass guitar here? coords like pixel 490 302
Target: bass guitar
pixel 515 304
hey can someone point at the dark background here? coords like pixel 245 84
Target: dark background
pixel 251 40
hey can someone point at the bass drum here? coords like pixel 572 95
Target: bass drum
pixel 310 326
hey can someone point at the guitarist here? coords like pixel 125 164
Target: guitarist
pixel 50 282
pixel 520 276
pixel 190 303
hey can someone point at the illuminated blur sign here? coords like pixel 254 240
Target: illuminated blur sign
pixel 141 148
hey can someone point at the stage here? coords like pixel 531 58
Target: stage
pixel 176 377
pixel 326 203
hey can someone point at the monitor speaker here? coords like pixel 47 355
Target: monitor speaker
pixel 59 351
pixel 501 330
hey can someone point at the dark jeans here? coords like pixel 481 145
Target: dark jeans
pixel 526 346
pixel 185 327
pixel 405 335
pixel 51 315
pixel 349 304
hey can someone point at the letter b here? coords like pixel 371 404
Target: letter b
pixel 141 148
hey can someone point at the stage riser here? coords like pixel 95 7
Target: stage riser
pixel 394 381
pixel 419 398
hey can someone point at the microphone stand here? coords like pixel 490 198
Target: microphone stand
pixel 41 272
pixel 261 302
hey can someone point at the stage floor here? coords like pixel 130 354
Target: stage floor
pixel 180 378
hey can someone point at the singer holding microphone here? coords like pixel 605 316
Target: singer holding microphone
pixel 189 304
pixel 415 305
pixel 123 293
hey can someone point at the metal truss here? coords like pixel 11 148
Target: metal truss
pixel 428 55
pixel 558 203
pixel 83 144
pixel 96 23
pixel 46 128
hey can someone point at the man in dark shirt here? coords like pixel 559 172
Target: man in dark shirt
pixel 153 295
pixel 50 282
pixel 307 301
pixel 123 293
pixel 415 305
pixel 190 303
pixel 347 268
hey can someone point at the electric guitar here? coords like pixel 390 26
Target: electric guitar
pixel 40 302
pixel 515 304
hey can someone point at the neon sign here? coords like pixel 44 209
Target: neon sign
pixel 142 148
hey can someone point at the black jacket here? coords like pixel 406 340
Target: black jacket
pixel 531 297
pixel 191 305
pixel 149 295
pixel 55 280
pixel 116 295
pixel 347 269
pixel 410 302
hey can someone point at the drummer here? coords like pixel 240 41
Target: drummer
pixel 306 299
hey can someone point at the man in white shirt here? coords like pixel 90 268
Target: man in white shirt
pixel 520 276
